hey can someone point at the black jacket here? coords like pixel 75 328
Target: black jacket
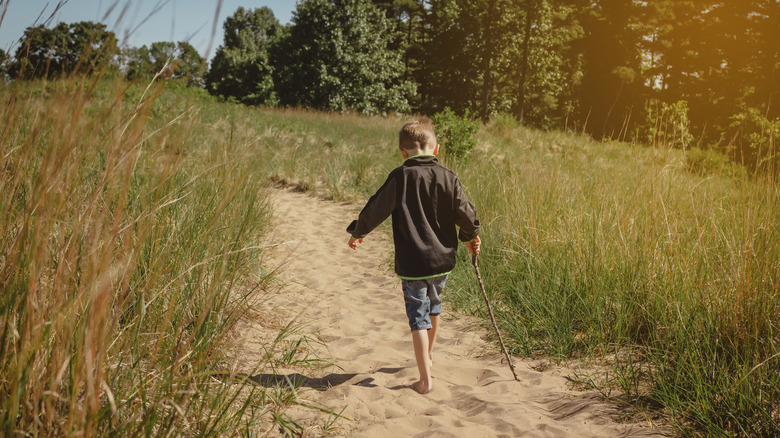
pixel 426 201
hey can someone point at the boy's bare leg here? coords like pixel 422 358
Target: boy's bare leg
pixel 432 336
pixel 421 354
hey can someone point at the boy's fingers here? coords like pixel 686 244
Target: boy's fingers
pixel 353 242
pixel 473 245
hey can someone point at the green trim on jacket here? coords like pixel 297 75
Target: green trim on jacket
pixel 418 156
pixel 424 278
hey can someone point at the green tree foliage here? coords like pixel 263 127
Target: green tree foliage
pixel 162 54
pixel 135 62
pixel 545 69
pixel 766 24
pixel 601 65
pixel 501 56
pixel 81 47
pixel 241 68
pixel 182 59
pixel 453 77
pixel 339 55
pixel 409 17
pixel 723 58
pixel 757 137
pixel 179 60
pixel 686 53
pixel 3 61
pixel 188 63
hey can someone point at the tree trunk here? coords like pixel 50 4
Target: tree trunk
pixel 524 63
pixel 487 65
pixel 773 65
pixel 408 45
pixel 486 85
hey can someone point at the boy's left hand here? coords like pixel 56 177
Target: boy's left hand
pixel 353 241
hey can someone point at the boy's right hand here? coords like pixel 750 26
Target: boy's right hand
pixel 353 241
pixel 473 245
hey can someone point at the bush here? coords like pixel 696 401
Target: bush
pixel 503 124
pixel 708 161
pixel 456 133
pixel 756 138
pixel 668 125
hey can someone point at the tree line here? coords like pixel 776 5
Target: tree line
pixel 682 73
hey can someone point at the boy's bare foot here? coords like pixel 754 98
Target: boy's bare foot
pixel 419 386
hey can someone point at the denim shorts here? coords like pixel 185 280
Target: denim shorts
pixel 422 298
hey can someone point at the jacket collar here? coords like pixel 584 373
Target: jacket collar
pixel 421 159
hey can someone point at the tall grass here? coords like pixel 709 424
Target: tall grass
pixel 131 241
pixel 615 251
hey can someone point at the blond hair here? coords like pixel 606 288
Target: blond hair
pixel 417 135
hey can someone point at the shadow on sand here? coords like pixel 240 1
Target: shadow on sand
pixel 320 383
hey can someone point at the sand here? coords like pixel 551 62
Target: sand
pixel 353 302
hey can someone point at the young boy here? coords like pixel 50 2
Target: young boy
pixel 426 202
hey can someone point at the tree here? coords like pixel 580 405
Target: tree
pixel 409 16
pixel 162 54
pixel 544 68
pixel 459 52
pixel 182 59
pixel 492 34
pixel 241 68
pixel 612 92
pixel 338 55
pixel 723 60
pixel 530 15
pixel 188 64
pixel 740 92
pixel 491 56
pixel 82 47
pixel 3 61
pixel 766 22
pixel 135 62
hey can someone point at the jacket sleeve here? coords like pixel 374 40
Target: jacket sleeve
pixel 465 215
pixel 377 209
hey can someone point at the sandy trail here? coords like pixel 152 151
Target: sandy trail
pixel 353 301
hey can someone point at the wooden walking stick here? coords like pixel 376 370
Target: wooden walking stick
pixel 492 318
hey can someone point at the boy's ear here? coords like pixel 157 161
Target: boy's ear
pixel 436 150
pixel 403 152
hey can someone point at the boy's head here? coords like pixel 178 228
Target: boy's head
pixel 417 138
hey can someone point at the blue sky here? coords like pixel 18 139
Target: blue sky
pixel 144 22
